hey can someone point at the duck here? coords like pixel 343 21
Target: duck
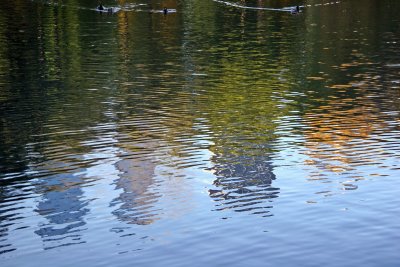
pixel 100 7
pixel 295 10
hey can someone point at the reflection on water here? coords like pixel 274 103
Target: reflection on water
pixel 136 202
pixel 349 140
pixel 245 184
pixel 64 209
pixel 191 137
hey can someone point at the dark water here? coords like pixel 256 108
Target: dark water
pixel 217 135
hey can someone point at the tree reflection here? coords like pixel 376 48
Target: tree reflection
pixel 343 136
pixel 357 92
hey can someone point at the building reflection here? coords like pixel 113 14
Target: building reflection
pixel 63 207
pixel 148 131
pixel 136 202
pixel 244 183
pixel 5 244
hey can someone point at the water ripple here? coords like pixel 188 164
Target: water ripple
pixel 186 139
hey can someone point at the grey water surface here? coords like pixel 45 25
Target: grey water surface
pixel 224 133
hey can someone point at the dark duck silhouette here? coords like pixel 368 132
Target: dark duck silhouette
pixel 100 7
pixel 295 10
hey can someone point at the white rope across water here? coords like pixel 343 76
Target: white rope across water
pixel 249 7
pixel 284 9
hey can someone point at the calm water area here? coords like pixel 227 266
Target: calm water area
pixel 224 133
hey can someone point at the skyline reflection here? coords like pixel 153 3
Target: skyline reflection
pixel 62 205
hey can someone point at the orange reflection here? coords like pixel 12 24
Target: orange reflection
pixel 340 136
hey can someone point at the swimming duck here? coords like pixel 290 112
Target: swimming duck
pixel 295 10
pixel 100 7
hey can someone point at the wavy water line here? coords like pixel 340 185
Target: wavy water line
pixel 284 9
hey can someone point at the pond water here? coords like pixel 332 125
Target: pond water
pixel 223 134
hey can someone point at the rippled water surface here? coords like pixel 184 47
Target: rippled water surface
pixel 224 133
